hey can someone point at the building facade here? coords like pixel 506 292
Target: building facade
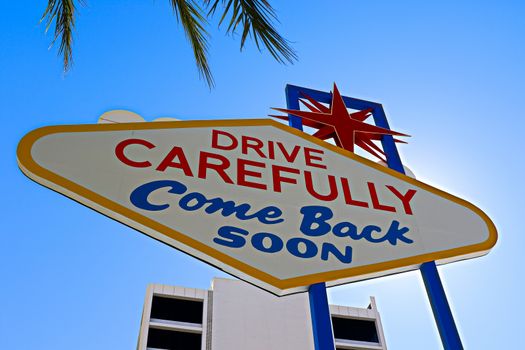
pixel 236 315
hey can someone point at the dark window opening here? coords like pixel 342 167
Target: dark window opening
pixel 173 340
pixel 172 309
pixel 351 329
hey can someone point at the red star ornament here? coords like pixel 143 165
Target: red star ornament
pixel 347 129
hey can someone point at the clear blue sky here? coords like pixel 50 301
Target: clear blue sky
pixel 449 73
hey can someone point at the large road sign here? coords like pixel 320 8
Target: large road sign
pixel 258 199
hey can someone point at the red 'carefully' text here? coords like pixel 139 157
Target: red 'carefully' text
pixel 264 165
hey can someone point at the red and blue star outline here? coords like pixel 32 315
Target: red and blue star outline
pixel 336 122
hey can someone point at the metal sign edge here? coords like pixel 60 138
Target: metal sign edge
pixel 224 262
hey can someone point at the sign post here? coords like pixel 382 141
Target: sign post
pixel 319 309
pixel 438 301
pixel 436 294
pixel 268 203
pixel 321 319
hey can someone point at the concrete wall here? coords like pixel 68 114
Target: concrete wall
pixel 246 317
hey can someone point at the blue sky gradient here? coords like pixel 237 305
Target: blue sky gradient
pixel 449 73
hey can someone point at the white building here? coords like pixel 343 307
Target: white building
pixel 235 315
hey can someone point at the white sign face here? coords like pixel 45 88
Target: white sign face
pixel 258 199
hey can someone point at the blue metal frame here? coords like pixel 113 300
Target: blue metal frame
pixel 321 318
pixel 319 310
pixel 321 321
pixel 438 301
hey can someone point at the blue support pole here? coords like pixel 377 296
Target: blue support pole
pixel 442 313
pixel 436 293
pixel 321 319
pixel 292 102
pixel 317 292
pixel 319 310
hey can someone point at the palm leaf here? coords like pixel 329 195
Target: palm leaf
pixel 62 12
pixel 255 17
pixel 193 22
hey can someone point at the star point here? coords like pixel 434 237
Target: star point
pixel 336 122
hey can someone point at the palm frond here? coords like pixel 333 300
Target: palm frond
pixel 255 17
pixel 193 21
pixel 62 13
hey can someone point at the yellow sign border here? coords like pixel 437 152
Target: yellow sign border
pixel 37 173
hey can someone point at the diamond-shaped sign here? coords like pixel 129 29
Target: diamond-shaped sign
pixel 258 199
